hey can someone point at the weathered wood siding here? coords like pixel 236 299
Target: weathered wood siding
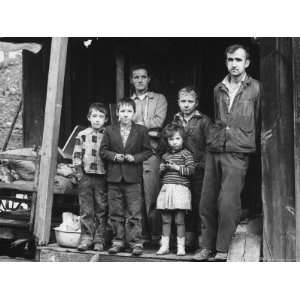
pixel 278 153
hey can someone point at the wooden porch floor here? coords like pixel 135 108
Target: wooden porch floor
pixel 245 247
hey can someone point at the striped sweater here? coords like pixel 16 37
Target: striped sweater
pixel 184 159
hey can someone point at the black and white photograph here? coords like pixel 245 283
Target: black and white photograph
pixel 137 144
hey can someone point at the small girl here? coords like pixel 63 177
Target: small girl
pixel 175 196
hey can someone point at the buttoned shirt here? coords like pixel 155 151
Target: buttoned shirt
pixel 142 103
pixel 232 91
pixel 86 151
pixel 125 131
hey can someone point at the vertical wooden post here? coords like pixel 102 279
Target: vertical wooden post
pixel 120 75
pixel 50 139
pixel 296 84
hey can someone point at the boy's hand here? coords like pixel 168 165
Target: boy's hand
pixel 119 157
pixel 129 158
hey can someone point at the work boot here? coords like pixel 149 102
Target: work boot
pixel 203 255
pixel 180 246
pixel 220 257
pixel 164 248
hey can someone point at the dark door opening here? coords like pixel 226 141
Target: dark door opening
pixel 174 63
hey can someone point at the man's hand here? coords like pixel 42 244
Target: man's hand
pixel 119 157
pixel 129 157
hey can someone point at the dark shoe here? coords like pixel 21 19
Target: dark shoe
pixel 85 245
pixel 137 251
pixel 98 247
pixel 115 249
pixel 203 255
pixel 220 256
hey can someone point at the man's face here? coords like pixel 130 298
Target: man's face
pixel 125 114
pixel 187 103
pixel 140 80
pixel 237 63
pixel 97 119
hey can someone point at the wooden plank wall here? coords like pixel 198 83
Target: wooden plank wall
pixel 278 153
pixel 296 84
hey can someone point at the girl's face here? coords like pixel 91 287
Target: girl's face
pixel 175 141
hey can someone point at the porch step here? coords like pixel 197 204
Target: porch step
pixel 55 253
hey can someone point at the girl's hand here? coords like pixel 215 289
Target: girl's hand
pixel 173 166
pixel 162 167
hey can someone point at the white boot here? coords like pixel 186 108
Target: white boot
pixel 180 246
pixel 164 245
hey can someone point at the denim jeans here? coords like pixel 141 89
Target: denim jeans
pixel 93 207
pixel 125 213
pixel 220 205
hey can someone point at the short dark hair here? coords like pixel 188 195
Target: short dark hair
pixel 188 90
pixel 170 130
pixel 99 107
pixel 139 67
pixel 126 101
pixel 232 48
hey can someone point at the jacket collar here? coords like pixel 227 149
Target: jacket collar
pixel 245 82
pixel 197 114
pixel 149 94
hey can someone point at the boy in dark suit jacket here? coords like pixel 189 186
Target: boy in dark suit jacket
pixel 125 146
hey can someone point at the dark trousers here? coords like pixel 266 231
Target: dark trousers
pixel 192 219
pixel 93 207
pixel 151 183
pixel 125 213
pixel 220 204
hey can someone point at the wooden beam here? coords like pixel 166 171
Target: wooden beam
pixel 120 75
pixel 55 86
pixel 296 84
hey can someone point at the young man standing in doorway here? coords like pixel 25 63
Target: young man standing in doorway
pixel 230 141
pixel 151 111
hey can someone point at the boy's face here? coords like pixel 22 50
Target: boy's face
pixel 140 80
pixel 97 119
pixel 125 113
pixel 187 103
pixel 175 141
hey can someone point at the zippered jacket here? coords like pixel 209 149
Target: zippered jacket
pixel 236 130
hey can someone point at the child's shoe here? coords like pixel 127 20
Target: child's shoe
pixel 164 248
pixel 85 245
pixel 180 246
pixel 137 250
pixel 98 247
pixel 115 249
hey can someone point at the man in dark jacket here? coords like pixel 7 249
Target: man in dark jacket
pixel 230 141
